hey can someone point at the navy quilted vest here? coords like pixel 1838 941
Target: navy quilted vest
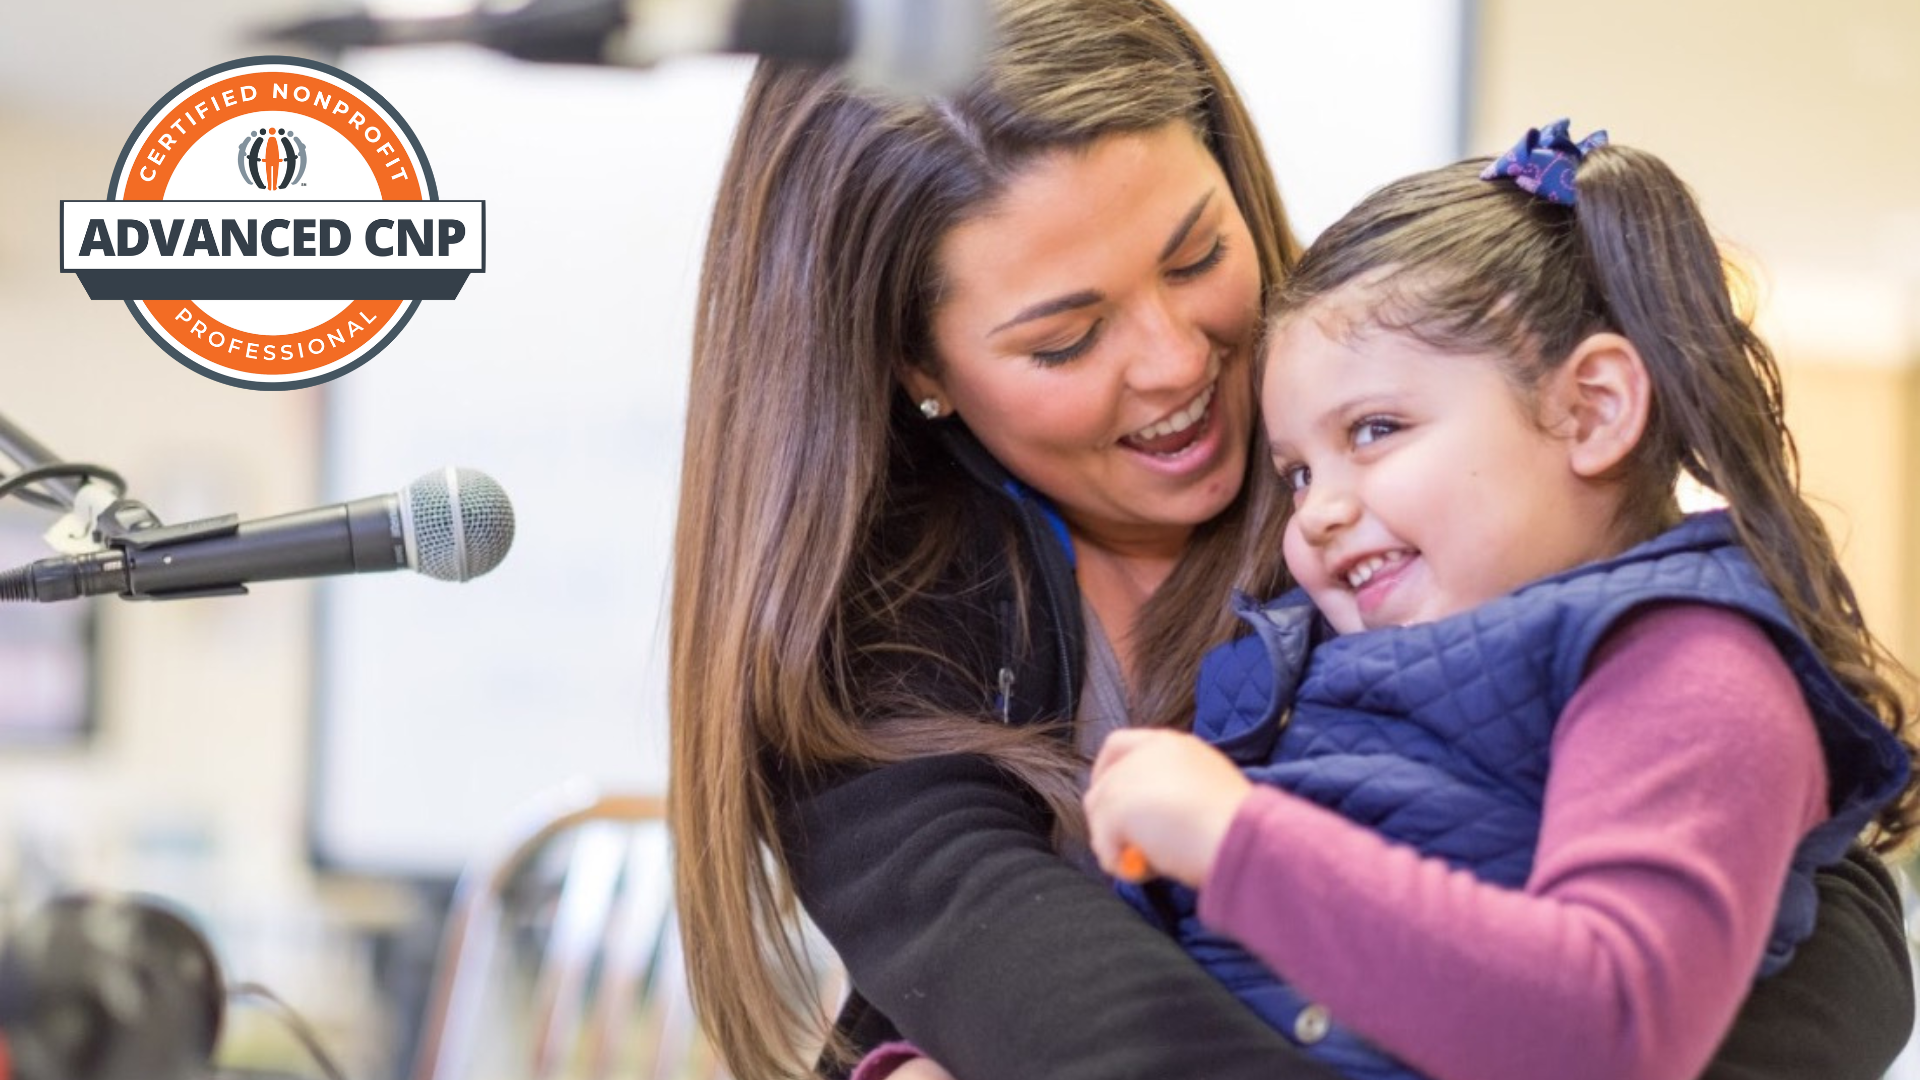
pixel 1437 735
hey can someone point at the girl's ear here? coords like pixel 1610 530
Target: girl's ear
pixel 1601 397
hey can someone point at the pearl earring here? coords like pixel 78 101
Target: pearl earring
pixel 930 408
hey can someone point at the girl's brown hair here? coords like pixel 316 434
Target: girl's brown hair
pixel 806 525
pixel 1475 266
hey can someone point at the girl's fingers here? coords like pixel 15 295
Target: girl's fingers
pixel 1117 746
pixel 1116 854
pixel 1102 830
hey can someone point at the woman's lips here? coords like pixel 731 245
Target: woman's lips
pixel 1178 432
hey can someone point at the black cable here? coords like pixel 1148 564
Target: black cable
pixel 17 483
pixel 297 1024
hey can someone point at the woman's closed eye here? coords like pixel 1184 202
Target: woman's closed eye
pixel 1199 267
pixel 1206 262
pixel 1066 353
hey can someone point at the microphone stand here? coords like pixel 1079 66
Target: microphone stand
pixel 29 453
pixel 98 516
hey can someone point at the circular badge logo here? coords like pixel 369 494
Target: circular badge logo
pixel 294 206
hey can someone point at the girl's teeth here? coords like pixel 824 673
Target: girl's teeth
pixel 1363 573
pixel 1179 421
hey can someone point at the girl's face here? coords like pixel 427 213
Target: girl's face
pixel 1423 483
pixel 1096 331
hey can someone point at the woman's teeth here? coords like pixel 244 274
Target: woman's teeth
pixel 1363 573
pixel 1179 421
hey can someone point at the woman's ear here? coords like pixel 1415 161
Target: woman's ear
pixel 1601 398
pixel 922 386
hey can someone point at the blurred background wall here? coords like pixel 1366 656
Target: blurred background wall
pixel 1796 129
pixel 1794 124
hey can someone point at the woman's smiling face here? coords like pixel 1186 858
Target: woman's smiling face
pixel 1095 333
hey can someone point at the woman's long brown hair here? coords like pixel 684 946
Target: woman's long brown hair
pixel 1483 267
pixel 818 286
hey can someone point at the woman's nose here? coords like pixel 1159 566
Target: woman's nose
pixel 1173 351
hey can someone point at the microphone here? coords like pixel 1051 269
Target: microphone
pixel 451 524
pixel 909 46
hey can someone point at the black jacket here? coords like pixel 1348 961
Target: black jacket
pixel 936 881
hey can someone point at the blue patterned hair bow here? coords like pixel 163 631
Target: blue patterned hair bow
pixel 1544 160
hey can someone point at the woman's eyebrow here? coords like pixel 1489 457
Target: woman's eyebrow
pixel 1186 226
pixel 1089 297
pixel 1084 298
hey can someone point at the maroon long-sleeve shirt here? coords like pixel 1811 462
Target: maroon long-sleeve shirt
pixel 1685 770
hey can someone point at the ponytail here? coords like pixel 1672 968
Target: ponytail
pixel 1718 414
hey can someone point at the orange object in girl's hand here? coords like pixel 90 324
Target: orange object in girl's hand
pixel 1132 866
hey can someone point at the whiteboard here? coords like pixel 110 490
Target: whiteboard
pixel 441 710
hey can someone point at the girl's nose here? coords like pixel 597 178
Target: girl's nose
pixel 1324 510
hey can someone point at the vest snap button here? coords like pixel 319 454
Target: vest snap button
pixel 1312 1024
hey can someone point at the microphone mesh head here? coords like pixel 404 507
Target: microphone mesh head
pixel 462 523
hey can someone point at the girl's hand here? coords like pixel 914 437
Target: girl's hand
pixel 1166 794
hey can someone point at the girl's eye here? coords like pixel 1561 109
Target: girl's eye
pixel 1056 357
pixel 1296 477
pixel 1207 262
pixel 1373 429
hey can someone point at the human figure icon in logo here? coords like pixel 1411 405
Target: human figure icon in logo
pixel 249 161
pixel 291 151
pixel 280 153
pixel 273 161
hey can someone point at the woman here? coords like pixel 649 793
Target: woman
pixel 968 479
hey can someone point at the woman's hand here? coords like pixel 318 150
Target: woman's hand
pixel 920 1069
pixel 1168 796
pixel 899 1061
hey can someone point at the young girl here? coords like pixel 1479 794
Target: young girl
pixel 1529 778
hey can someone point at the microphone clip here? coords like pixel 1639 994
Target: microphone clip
pixel 135 542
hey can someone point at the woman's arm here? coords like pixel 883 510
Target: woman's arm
pixel 1843 1008
pixel 936 882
